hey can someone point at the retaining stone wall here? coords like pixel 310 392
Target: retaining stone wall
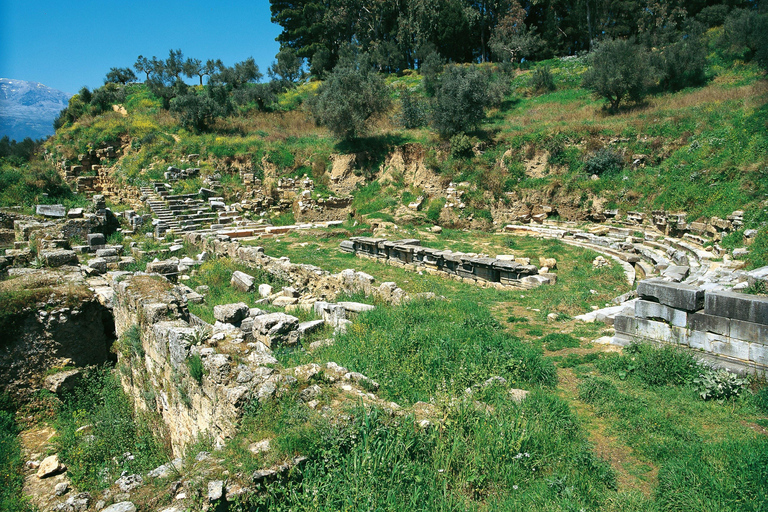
pixel 732 327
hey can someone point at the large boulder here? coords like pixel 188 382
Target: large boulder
pixel 62 381
pixel 231 313
pixel 50 466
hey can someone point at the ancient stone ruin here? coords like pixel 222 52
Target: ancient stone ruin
pixel 731 327
pixel 501 271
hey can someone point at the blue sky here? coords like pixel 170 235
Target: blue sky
pixel 66 45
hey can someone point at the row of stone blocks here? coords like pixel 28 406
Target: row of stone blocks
pixel 410 251
pixel 723 323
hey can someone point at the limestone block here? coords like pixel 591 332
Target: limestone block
pixel 649 329
pixel 163 267
pixel 703 340
pixel 51 210
pixel 748 331
pixel 739 306
pixel 265 290
pixel 98 264
pixel 678 296
pixel 758 353
pixel 179 341
pixel 310 326
pixel 231 313
pixel 58 257
pixel 709 323
pixel 218 367
pixel 242 281
pixel 732 348
pixel 356 307
pixel 96 240
pixel 655 310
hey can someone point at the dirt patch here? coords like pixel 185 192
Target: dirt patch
pixel 607 446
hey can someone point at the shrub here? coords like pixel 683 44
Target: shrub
pixel 663 366
pixel 603 161
pixel 195 365
pixel 761 400
pixel 542 80
pixel 719 384
pixel 619 70
pixel 461 146
pixel 461 96
pixel 682 63
pixel 745 36
pixel 413 111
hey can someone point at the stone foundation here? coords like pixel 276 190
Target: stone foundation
pixel 729 327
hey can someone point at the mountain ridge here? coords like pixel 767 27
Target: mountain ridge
pixel 27 109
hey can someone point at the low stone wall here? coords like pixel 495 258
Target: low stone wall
pixel 307 279
pixel 480 270
pixel 730 326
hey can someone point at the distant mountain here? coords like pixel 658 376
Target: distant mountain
pixel 27 109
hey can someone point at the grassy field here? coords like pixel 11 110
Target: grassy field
pixel 599 431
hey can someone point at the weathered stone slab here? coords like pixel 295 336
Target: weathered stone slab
pixel 731 348
pixel 242 281
pixel 758 353
pixel 59 257
pixel 655 310
pixel 739 306
pixel 678 296
pixel 347 246
pixel 649 329
pixel 163 267
pixel 356 307
pixel 51 210
pixel 310 326
pixel 709 323
pixel 748 331
pixel 231 313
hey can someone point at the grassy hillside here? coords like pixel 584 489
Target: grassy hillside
pixel 701 150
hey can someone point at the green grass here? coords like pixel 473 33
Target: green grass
pixel 11 471
pixel 99 401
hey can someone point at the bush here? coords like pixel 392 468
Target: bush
pixel 663 366
pixel 461 96
pixel 461 146
pixel 542 80
pixel 760 400
pixel 196 111
pixel 719 384
pixel 682 64
pixel 745 36
pixel 413 113
pixel 619 70
pixel 348 99
pixel 603 161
